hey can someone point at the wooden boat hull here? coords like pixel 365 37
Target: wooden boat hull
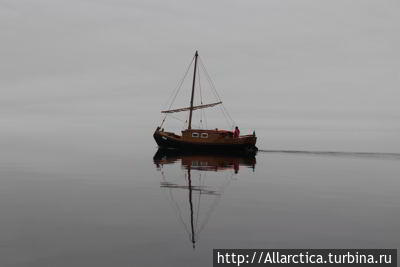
pixel 244 144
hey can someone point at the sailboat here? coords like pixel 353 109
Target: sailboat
pixel 196 139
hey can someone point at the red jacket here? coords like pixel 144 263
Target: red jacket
pixel 236 133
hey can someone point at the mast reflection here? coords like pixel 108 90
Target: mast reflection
pixel 197 167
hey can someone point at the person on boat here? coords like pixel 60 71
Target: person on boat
pixel 236 133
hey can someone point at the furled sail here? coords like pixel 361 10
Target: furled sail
pixel 193 108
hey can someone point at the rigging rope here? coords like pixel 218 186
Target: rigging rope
pixel 176 91
pixel 201 98
pixel 231 123
pixel 215 92
pixel 181 120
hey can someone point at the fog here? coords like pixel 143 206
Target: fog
pixel 331 65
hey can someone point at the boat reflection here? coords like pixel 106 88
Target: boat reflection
pixel 204 161
pixel 205 176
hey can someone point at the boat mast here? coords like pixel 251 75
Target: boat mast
pixel 193 85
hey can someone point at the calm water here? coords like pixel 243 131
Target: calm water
pixel 81 87
pixel 87 191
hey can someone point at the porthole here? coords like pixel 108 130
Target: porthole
pixel 196 135
pixel 204 135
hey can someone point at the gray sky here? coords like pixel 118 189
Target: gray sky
pixel 296 59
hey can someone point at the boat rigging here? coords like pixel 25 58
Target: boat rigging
pixel 202 139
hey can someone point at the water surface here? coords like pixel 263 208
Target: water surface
pixel 104 199
pixel 82 84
